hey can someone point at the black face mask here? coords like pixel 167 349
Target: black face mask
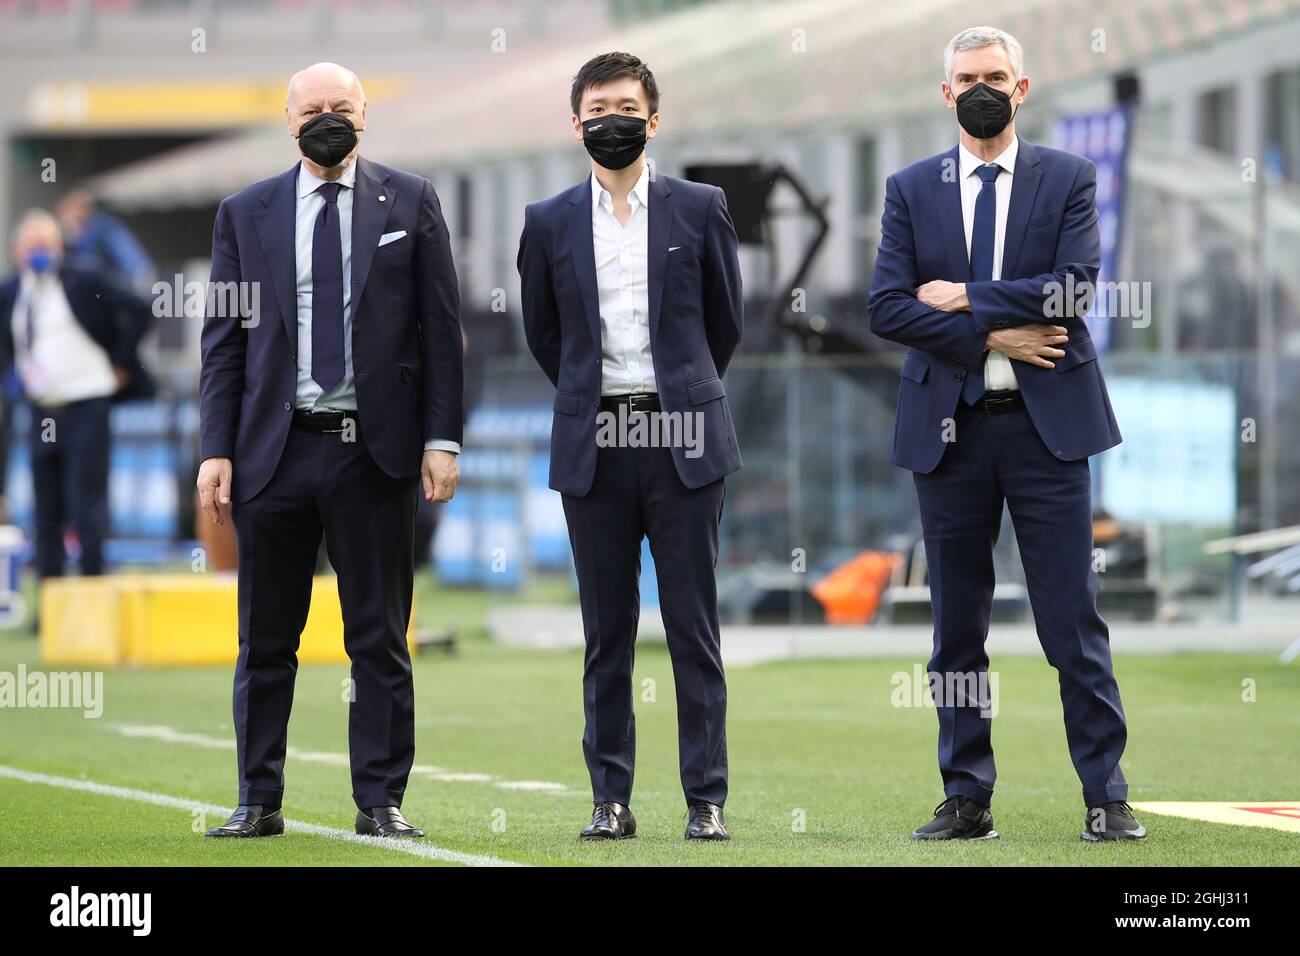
pixel 983 111
pixel 327 139
pixel 615 141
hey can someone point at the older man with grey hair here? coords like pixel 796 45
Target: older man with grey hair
pixel 320 414
pixel 71 334
pixel 1001 402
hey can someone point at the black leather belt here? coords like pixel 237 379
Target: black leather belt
pixel 635 403
pixel 1003 400
pixel 335 421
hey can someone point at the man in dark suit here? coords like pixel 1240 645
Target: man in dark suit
pixel 322 408
pixel 72 335
pixel 632 306
pixel 1002 400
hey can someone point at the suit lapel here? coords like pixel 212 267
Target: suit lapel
pixel 659 228
pixel 1024 188
pixel 947 198
pixel 369 216
pixel 274 223
pixel 584 255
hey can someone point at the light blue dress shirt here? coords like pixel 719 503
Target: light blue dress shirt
pixel 343 396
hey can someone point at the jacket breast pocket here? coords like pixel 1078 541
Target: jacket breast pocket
pixel 1052 218
pixel 399 248
pixel 688 250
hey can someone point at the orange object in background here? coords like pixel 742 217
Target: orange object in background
pixel 217 540
pixel 851 593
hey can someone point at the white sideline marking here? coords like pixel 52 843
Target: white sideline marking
pixel 427 850
pixel 173 736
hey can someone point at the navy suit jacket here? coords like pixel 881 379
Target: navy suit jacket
pixel 1051 234
pixel 407 351
pixel 112 315
pixel 696 317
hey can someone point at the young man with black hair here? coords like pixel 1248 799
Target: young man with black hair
pixel 631 297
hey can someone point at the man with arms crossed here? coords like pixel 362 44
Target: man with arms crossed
pixel 322 413
pixel 632 305
pixel 997 403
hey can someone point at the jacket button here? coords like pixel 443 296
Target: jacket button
pixel 287 406
pixel 956 376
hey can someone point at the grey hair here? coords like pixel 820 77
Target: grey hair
pixel 38 215
pixel 976 38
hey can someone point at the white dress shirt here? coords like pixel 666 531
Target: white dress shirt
pixel 343 396
pixel 999 373
pixel 623 287
pixel 62 363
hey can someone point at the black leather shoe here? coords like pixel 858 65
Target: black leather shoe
pixel 610 821
pixel 386 822
pixel 958 818
pixel 249 820
pixel 1111 821
pixel 705 822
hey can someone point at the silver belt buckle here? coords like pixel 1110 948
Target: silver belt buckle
pixel 343 426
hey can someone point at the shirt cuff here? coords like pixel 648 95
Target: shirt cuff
pixel 442 444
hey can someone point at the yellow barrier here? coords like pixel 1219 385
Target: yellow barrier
pixel 169 620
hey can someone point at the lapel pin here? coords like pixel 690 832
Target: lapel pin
pixel 382 198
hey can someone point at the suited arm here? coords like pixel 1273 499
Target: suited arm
pixel 1078 254
pixel 896 313
pixel 441 340
pixel 537 300
pixel 724 306
pixel 221 378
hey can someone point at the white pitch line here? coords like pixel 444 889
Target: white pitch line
pixel 173 736
pixel 411 847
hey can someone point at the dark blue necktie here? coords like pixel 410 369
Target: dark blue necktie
pixel 327 292
pixel 982 236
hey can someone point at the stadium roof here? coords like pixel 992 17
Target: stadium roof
pixel 726 68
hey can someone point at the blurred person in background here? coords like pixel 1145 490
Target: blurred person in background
pixel 998 405
pixel 631 296
pixel 100 242
pixel 320 414
pixel 71 336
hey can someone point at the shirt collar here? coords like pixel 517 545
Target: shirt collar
pixel 968 161
pixel 29 281
pixel 309 182
pixel 641 189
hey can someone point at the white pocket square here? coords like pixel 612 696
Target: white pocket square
pixel 388 237
pixel 673 248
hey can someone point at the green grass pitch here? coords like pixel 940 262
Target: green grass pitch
pixel 824 770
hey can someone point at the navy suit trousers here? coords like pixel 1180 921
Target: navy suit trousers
pixel 324 484
pixel 70 462
pixel 636 493
pixel 1000 458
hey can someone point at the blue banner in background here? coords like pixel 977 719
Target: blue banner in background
pixel 1102 137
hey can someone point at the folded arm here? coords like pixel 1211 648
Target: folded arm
pixel 1078 259
pixel 896 313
